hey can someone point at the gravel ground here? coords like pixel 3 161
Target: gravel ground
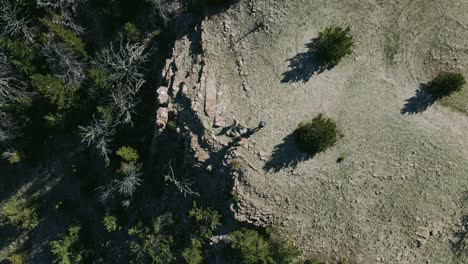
pixel 405 159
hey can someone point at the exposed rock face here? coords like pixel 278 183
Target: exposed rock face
pixel 190 92
pixel 162 96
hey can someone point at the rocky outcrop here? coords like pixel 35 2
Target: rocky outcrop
pixel 188 95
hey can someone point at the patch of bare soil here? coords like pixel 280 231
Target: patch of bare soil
pixel 398 195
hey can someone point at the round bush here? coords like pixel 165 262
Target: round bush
pixel 333 44
pixel 317 135
pixel 446 83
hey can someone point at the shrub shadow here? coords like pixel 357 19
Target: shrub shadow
pixel 419 103
pixel 285 155
pixel 304 65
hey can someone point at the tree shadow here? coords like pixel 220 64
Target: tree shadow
pixel 304 65
pixel 419 103
pixel 285 155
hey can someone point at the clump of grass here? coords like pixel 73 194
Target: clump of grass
pixel 235 165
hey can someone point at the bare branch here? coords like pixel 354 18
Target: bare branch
pixel 161 8
pixel 8 128
pixel 123 65
pixel 63 5
pixel 11 24
pixel 12 88
pixel 124 99
pixel 131 173
pixel 125 185
pixel 64 63
pixel 98 134
pixel 183 187
pixel 67 21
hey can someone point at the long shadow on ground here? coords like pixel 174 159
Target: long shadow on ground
pixel 419 103
pixel 304 65
pixel 285 155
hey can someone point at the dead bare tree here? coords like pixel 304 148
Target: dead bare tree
pixel 12 87
pixel 124 64
pixel 183 187
pixel 67 21
pixel 124 100
pixel 62 5
pixel 64 64
pixel 124 106
pixel 125 184
pixel 161 8
pixel 98 134
pixel 12 24
pixel 8 128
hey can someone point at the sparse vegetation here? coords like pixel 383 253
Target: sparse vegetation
pixel 193 254
pixel 250 247
pixel 317 135
pixel 21 213
pixel 152 244
pixel 206 219
pixel 128 154
pixel 446 83
pixel 69 249
pixel 12 156
pixel 333 44
pixel 110 223
pixel 18 259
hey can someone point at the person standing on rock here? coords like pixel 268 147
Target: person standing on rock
pixel 250 132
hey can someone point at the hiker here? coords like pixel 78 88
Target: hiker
pixel 251 131
pixel 236 129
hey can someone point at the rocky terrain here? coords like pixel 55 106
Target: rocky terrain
pixel 399 194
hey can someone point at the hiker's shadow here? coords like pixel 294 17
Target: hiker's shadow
pixel 285 155
pixel 304 65
pixel 420 102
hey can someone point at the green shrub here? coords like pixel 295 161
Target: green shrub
pixel 128 154
pixel 333 44
pixel 69 249
pixel 98 79
pixel 12 156
pixel 284 252
pixel 110 223
pixel 316 136
pixel 446 83
pixel 250 247
pixel 171 129
pixel 54 90
pixel 152 245
pixel 206 219
pixel 55 120
pixel 236 165
pixel 73 41
pixel 18 259
pixel 131 33
pixel 23 55
pixel 193 254
pixel 21 213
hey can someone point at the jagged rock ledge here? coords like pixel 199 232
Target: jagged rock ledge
pixel 190 93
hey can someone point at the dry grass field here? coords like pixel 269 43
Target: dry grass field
pixel 405 168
